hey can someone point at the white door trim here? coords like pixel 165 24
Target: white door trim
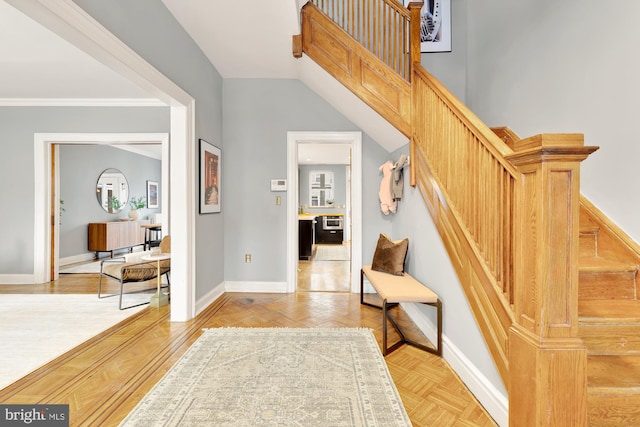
pixel 355 140
pixel 42 193
pixel 69 21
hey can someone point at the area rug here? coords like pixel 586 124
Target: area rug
pixel 331 253
pixel 276 377
pixel 37 328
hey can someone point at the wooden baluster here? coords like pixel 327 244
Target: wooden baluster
pixel 547 360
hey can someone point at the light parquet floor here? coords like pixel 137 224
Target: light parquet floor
pixel 325 276
pixel 103 379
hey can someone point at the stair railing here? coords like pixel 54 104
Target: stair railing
pixel 510 221
pixel 381 26
pixel 508 214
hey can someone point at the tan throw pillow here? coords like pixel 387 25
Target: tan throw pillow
pixel 389 255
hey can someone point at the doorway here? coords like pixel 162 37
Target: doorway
pixel 319 205
pixel 135 142
pixel 324 262
pixel 74 25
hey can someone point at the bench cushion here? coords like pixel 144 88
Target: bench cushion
pixel 135 272
pixel 399 288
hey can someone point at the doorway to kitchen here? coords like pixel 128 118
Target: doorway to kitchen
pixel 324 211
pixel 324 244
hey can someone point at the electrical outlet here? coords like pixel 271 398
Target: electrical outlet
pixel 247 258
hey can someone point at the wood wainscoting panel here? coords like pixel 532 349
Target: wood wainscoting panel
pixel 358 69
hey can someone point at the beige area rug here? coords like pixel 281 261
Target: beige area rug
pixel 37 328
pixel 276 377
pixel 331 253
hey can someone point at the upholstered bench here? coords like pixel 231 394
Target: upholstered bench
pixel 397 289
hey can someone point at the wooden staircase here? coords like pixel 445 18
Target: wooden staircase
pixel 556 301
pixel 609 315
pixel 609 321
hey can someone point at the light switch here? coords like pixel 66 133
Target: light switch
pixel 278 200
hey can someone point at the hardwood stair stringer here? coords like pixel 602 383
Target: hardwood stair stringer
pixel 358 69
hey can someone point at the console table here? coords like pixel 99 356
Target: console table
pixel 110 236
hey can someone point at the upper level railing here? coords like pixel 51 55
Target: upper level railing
pixel 381 26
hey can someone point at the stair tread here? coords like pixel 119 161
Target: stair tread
pixel 610 310
pixel 596 263
pixel 606 373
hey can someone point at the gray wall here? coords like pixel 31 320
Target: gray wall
pixel 258 113
pixel 450 67
pixel 147 27
pixel 78 189
pixel 533 66
pixel 17 128
pixel 339 187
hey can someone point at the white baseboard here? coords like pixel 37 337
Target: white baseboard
pixel 496 404
pixel 17 279
pixel 218 291
pixel 76 258
pixel 209 298
pixel 262 287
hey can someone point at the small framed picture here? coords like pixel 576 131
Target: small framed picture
pixel 152 194
pixel 210 177
pixel 435 25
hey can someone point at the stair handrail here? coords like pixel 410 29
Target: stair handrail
pixel 381 26
pixel 468 185
pixel 510 222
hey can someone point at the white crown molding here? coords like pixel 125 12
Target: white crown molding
pixel 81 102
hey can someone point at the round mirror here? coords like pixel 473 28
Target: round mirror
pixel 112 190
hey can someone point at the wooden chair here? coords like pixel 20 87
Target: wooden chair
pixel 132 269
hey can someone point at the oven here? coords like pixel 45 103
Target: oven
pixel 329 229
pixel 331 222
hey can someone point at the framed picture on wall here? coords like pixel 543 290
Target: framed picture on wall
pixel 435 25
pixel 152 194
pixel 210 177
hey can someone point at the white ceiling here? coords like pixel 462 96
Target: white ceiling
pixel 242 39
pixel 37 64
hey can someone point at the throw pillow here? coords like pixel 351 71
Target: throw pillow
pixel 389 255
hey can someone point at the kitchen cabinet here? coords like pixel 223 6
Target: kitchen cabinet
pixel 305 238
pixel 327 233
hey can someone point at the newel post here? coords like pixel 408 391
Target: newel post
pixel 414 31
pixel 547 361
